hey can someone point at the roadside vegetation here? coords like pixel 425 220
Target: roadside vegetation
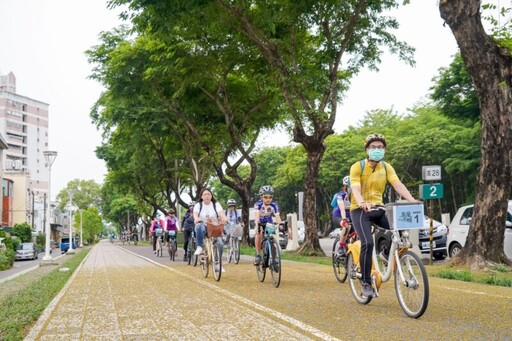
pixel 24 298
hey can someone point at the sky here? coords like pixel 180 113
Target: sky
pixel 43 42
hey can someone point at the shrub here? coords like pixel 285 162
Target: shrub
pixel 6 259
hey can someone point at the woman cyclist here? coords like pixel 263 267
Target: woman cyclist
pixel 265 210
pixel 206 208
pixel 366 207
pixel 341 215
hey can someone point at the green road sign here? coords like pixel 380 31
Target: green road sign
pixel 431 191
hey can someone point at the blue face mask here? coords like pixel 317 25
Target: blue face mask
pixel 376 154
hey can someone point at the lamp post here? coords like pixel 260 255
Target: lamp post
pixel 49 156
pixel 81 230
pixel 70 208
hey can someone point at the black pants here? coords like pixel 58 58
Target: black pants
pixel 186 236
pixel 363 222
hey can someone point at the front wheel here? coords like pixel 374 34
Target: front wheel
pixel 355 281
pixel 339 264
pixel 236 250
pixel 275 263
pixel 413 292
pixel 261 268
pixel 216 262
pixel 230 250
pixel 204 262
pixel 455 249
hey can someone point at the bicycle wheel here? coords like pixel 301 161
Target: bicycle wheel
pixel 230 250
pixel 339 264
pixel 413 294
pixel 236 251
pixel 275 263
pixel 261 268
pixel 173 249
pixel 355 282
pixel 204 260
pixel 216 262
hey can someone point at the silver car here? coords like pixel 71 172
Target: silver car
pixel 26 251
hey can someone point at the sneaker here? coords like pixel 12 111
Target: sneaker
pixel 199 250
pixel 257 260
pixel 342 252
pixel 367 290
pixel 185 258
pixel 154 252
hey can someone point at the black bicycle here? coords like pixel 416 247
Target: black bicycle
pixel 191 248
pixel 173 245
pixel 271 256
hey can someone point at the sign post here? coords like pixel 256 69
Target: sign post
pixel 430 192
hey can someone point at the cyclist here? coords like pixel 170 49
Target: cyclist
pixel 341 214
pixel 232 217
pixel 265 210
pixel 171 224
pixel 206 208
pixel 156 231
pixel 368 184
pixel 187 226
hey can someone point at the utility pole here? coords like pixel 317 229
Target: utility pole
pixel 33 213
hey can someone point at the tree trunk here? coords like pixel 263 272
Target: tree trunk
pixel 490 68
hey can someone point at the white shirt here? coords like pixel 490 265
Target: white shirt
pixel 208 211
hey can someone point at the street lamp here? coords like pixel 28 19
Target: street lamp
pixel 81 230
pixel 70 208
pixel 49 156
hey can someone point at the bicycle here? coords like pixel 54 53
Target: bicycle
pixel 159 247
pixel 192 244
pixel 411 281
pixel 234 244
pixel 173 245
pixel 271 256
pixel 339 264
pixel 212 252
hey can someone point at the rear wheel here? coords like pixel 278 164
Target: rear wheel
pixel 230 250
pixel 236 251
pixel 216 262
pixel 355 282
pixel 413 293
pixel 339 264
pixel 275 263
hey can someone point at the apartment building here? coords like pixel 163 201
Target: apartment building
pixel 24 127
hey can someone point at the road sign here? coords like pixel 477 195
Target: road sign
pixel 431 191
pixel 431 173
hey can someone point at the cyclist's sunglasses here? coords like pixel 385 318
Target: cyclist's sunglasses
pixel 267 196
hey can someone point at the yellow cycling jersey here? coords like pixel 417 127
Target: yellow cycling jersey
pixel 372 182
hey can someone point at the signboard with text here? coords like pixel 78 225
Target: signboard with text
pixel 431 173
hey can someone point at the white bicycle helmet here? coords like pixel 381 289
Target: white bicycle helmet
pixel 231 202
pixel 346 181
pixel 266 190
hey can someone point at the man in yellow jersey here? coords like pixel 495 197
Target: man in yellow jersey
pixel 368 180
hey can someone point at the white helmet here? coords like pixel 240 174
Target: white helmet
pixel 231 202
pixel 346 181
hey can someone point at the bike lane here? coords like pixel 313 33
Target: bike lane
pixel 117 295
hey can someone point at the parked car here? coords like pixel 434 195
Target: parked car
pixel 335 233
pixel 64 245
pixel 26 251
pixel 383 238
pixel 459 227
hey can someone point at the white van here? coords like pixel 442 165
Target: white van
pixel 459 227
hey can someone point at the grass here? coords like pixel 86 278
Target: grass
pixel 23 299
pixel 499 274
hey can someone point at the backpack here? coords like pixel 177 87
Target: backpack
pixel 334 201
pixel 214 208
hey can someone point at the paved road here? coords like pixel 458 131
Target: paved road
pixel 119 291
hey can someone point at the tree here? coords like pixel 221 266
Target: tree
pixel 303 44
pixel 91 224
pixel 23 231
pixel 489 62
pixel 85 193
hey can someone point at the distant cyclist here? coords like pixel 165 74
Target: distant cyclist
pixel 171 224
pixel 368 185
pixel 265 211
pixel 187 225
pixel 341 215
pixel 156 231
pixel 232 217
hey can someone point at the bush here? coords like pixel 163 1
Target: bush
pixel 6 259
pixel 40 241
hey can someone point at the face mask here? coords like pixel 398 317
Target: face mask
pixel 376 154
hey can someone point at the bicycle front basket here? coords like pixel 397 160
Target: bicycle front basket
pixel 270 228
pixel 214 229
pixel 172 233
pixel 237 231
